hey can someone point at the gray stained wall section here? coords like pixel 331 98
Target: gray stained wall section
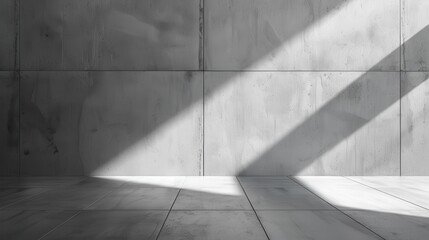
pixel 204 87
pixel 9 124
pixel 9 27
pixel 110 35
pixel 110 123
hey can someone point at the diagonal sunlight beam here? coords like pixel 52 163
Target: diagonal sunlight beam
pixel 122 161
pixel 317 46
pixel 345 122
pixel 289 152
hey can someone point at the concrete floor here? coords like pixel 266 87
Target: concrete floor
pixel 215 208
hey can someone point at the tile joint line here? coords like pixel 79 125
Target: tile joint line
pixel 61 224
pixel 386 193
pixel 169 211
pixel 251 205
pixel 339 210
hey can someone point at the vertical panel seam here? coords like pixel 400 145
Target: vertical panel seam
pixel 202 61
pixel 17 69
pixel 400 87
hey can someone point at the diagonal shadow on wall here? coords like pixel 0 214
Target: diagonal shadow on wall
pixel 51 114
pixel 335 121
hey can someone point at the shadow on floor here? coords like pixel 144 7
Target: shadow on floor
pixel 202 208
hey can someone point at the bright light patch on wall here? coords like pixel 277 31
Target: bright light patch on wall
pixel 320 46
pixel 364 140
pixel 159 148
pixel 354 29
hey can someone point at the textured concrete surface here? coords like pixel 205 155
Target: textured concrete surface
pixel 9 124
pixel 124 35
pixel 415 56
pixel 8 36
pixel 213 225
pixel 335 225
pixel 306 121
pixel 414 124
pixel 100 225
pixel 301 35
pixel 364 211
pixel 30 224
pixel 302 123
pixel 111 123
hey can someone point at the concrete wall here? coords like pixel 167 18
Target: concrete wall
pixel 204 87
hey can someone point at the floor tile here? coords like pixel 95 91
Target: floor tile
pixel 154 181
pixel 100 182
pixel 266 181
pixel 196 182
pixel 214 208
pixel 330 180
pixel 12 195
pixel 306 225
pixel 394 181
pixel 111 225
pixel 38 181
pixel 410 225
pixel 291 197
pixel 17 224
pixel 414 195
pixel 347 194
pixel 71 198
pixel 138 198
pixel 212 198
pixel 211 225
